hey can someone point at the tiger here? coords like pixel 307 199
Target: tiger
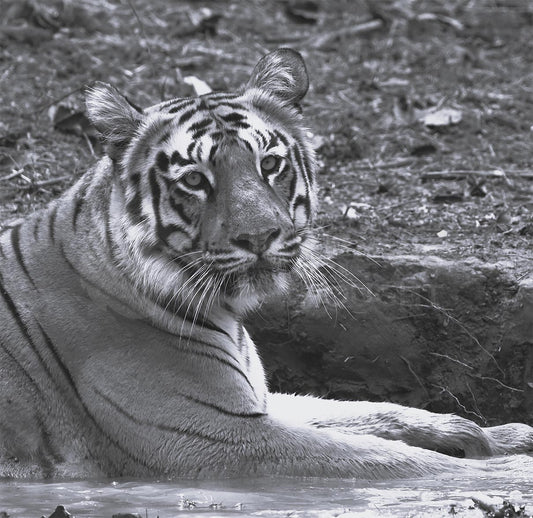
pixel 122 345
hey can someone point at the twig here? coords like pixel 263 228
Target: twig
pixel 476 406
pixel 402 162
pixel 14 174
pixel 447 391
pixel 325 39
pixel 47 183
pixel 465 173
pixel 88 142
pixel 452 359
pixel 285 38
pixel 415 375
pixel 151 60
pixel 447 20
pixel 456 321
pixel 508 387
pixel 57 100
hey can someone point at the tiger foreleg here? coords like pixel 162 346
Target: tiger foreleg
pixel 445 433
pixel 268 446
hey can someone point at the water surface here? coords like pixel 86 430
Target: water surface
pixel 272 497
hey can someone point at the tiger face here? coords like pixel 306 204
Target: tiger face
pixel 216 193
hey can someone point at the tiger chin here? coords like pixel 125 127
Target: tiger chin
pixel 122 348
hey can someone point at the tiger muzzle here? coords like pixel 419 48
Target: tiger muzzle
pixel 258 242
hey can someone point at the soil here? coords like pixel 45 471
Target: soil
pixel 421 112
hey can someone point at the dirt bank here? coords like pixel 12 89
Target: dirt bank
pixel 448 336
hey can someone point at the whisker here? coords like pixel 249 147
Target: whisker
pixel 337 270
pixel 303 271
pixel 205 290
pixel 332 292
pixel 183 286
pixel 198 287
pixel 350 247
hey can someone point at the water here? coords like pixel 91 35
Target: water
pixel 269 497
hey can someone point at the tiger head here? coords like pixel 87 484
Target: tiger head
pixel 215 195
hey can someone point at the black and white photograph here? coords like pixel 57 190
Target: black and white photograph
pixel 266 258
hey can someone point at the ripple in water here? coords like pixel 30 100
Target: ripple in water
pixel 273 497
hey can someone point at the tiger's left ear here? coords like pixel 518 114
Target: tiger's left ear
pixel 113 116
pixel 283 74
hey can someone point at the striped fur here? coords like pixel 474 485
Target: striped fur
pixel 122 349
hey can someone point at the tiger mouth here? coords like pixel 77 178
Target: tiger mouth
pixel 260 277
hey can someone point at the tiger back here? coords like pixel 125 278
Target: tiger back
pixel 122 348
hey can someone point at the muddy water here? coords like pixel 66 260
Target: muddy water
pixel 273 497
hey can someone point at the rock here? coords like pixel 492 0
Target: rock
pixel 60 512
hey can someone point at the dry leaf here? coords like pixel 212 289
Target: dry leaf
pixel 442 117
pixel 200 87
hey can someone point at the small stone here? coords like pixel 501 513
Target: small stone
pixel 60 512
pixel 442 233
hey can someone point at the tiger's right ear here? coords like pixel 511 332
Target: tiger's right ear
pixel 113 116
pixel 282 73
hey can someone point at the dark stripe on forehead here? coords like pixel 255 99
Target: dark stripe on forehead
pixel 233 106
pixel 217 136
pixel 162 161
pixel 190 148
pixel 179 104
pixel 199 151
pixel 262 138
pixel 274 140
pixel 199 133
pixel 282 137
pixel 230 132
pixel 186 116
pixel 235 119
pixel 179 107
pixel 176 158
pixel 212 152
pixel 198 126
pixel 218 96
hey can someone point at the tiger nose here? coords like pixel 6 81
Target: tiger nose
pixel 257 243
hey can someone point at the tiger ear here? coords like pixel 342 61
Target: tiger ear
pixel 113 116
pixel 283 74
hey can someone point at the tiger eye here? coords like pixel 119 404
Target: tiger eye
pixel 194 179
pixel 269 163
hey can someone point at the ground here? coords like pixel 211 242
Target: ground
pixel 421 112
